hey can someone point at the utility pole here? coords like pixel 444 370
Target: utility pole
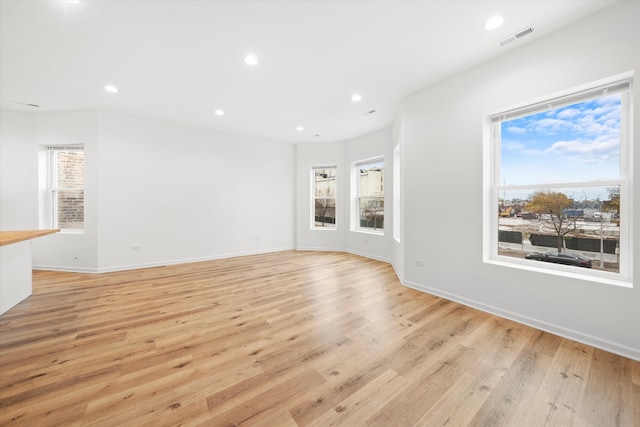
pixel 601 236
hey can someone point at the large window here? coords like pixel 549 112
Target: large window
pixel 65 198
pixel 559 194
pixel 368 177
pixel 323 213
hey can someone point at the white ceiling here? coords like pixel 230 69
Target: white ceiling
pixel 179 60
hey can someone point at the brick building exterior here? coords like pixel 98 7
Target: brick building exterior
pixel 69 189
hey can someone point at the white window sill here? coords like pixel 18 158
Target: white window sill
pixel 559 270
pixel 63 231
pixel 365 231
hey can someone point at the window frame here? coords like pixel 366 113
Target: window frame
pixel 396 193
pixel 356 196
pixel 52 188
pixel 622 83
pixel 313 225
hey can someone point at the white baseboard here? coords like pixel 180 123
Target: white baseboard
pixel 370 256
pixel 348 251
pixel 157 263
pixel 603 344
pixel 190 260
pixel 63 268
pixel 323 249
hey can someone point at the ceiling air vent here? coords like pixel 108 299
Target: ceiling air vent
pixel 520 34
pixel 26 104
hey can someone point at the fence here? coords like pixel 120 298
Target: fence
pixel 576 243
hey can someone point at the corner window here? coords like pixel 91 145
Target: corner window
pixel 65 187
pixel 559 196
pixel 368 189
pixel 323 209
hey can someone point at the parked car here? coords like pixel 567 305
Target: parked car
pixel 561 258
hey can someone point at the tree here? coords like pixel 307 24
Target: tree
pixel 323 208
pixel 324 195
pixel 613 204
pixel 551 207
pixel 374 211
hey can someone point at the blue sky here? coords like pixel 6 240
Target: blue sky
pixel 574 143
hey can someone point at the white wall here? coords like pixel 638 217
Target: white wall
pixel 443 185
pixel 23 135
pixel 375 144
pixel 342 154
pixel 307 156
pixel 175 193
pixel 18 173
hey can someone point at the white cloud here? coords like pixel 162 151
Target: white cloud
pixel 512 145
pixel 568 113
pixel 608 125
pixel 515 129
pixel 551 126
pixel 604 150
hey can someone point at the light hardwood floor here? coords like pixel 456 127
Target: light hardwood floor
pixel 290 339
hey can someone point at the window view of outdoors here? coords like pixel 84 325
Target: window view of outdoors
pixel 324 198
pixel 559 190
pixel 67 181
pixel 371 195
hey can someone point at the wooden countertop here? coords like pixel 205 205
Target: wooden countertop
pixel 9 237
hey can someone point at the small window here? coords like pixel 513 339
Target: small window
pixel 323 209
pixel 369 195
pixel 560 184
pixel 66 187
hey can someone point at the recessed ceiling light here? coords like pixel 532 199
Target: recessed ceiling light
pixel 250 60
pixel 299 128
pixel 111 88
pixel 493 23
pixel 219 112
pixel 356 97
